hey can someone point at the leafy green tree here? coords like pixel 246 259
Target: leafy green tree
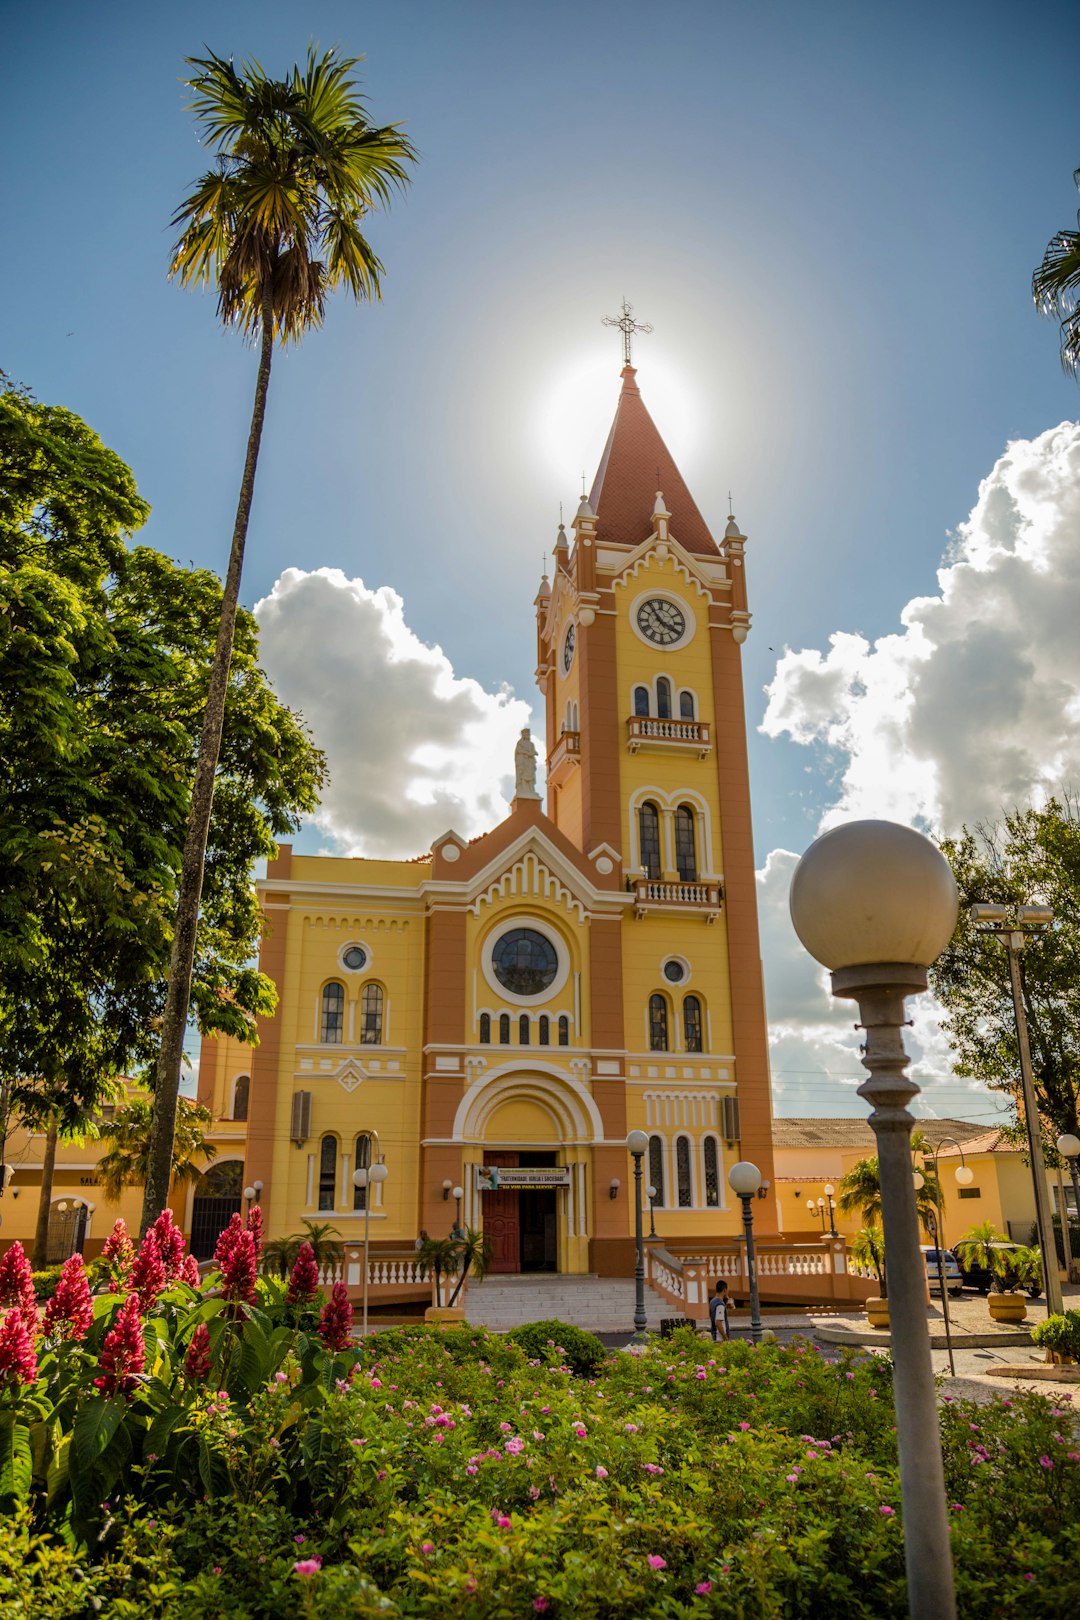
pixel 124 1162
pixel 1055 287
pixel 279 1255
pixel 437 1257
pixel 860 1190
pixel 103 659
pixel 275 226
pixel 1032 857
pixel 473 1253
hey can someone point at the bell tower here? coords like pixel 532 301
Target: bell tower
pixel 639 631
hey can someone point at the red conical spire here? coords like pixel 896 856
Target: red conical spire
pixel 635 464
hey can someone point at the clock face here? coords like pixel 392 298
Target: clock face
pixel 661 621
pixel 568 647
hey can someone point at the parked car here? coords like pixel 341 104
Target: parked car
pixel 981 1277
pixel 954 1280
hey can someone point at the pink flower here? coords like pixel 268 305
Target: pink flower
pixel 601 1472
pixel 17 1282
pixel 227 1240
pixel 123 1355
pixel 197 1360
pixel 792 1479
pixel 304 1278
pixel 335 1320
pixel 654 1561
pixel 427 1548
pixel 299 1540
pixel 540 1604
pixel 703 1588
pixel 308 1566
pixel 255 1227
pixel 70 1307
pixel 1029 1576
pixel 148 1272
pixel 117 1256
pixel 1044 1461
pixel 171 1243
pixel 744 1427
pixel 886 1512
pixel 18 1364
pixel 630 1428
pixel 580 1430
pixel 190 1271
pixel 238 1272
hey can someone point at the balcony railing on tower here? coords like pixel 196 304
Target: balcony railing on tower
pixel 660 894
pixel 643 733
pixel 563 757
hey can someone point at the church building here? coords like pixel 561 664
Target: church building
pixel 491 1019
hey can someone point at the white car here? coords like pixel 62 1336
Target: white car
pixel 954 1277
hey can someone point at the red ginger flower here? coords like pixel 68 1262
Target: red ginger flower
pixel 18 1364
pixel 118 1253
pixel 304 1278
pixel 148 1272
pixel 70 1307
pixel 171 1243
pixel 335 1319
pixel 238 1271
pixel 17 1282
pixel 123 1355
pixel 227 1240
pixel 255 1227
pixel 190 1271
pixel 197 1360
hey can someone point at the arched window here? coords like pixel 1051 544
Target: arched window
pixel 658 1034
pixel 685 851
pixel 682 1172
pixel 686 705
pixel 641 701
pixel 523 1030
pixel 649 839
pixel 240 1097
pixel 712 1173
pixel 656 1169
pixel 504 1029
pixel 691 1018
pixel 544 1032
pixel 362 1161
pixel 485 1028
pixel 332 1028
pixel 328 1151
pixel 663 697
pixel 564 1031
pixel 371 1014
pixel 575 723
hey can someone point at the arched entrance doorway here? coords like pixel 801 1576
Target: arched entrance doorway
pixel 527 1150
pixel 218 1197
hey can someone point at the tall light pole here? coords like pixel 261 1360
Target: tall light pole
pixel 1069 1148
pixel 650 1193
pixel 829 1190
pixel 816 1206
pixel 365 1178
pixel 876 903
pixel 1011 925
pixel 964 1177
pixel 459 1193
pixel 637 1142
pixel 744 1179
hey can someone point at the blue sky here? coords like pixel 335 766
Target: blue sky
pixel 828 213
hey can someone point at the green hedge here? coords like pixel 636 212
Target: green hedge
pixel 558 1341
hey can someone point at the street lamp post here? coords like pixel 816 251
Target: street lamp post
pixel 249 1199
pixel 935 1222
pixel 829 1190
pixel 637 1142
pixel 816 1206
pixel 744 1179
pixel 1011 925
pixel 651 1195
pixel 366 1177
pixel 1068 1146
pixel 876 903
pixel 458 1195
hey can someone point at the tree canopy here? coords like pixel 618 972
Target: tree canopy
pixel 123 1164
pixel 1055 287
pixel 104 650
pixel 1031 857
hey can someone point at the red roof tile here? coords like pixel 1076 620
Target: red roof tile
pixel 624 490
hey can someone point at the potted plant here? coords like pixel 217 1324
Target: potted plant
pixel 868 1249
pixel 1011 1269
pixel 1059 1336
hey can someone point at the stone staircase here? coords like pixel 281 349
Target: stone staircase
pixel 601 1304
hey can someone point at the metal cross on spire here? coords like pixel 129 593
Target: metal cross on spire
pixel 627 326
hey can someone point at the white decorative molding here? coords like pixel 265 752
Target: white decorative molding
pixel 529 876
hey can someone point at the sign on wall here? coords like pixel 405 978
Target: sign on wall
pixel 492 1177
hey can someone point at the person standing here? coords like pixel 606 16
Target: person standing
pixel 718 1309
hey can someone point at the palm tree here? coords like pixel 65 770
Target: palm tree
pixel 1055 287
pixel 868 1248
pixel 436 1257
pixel 131 1133
pixel 860 1189
pixel 275 225
pixel 473 1252
pixel 279 1255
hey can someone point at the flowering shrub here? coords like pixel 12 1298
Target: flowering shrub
pixel 558 1341
pixel 211 1458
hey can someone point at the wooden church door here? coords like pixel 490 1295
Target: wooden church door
pixel 501 1222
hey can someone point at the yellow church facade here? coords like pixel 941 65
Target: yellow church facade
pixel 492 1018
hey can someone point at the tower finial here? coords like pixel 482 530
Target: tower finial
pixel 627 326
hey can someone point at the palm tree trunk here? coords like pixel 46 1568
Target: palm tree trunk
pixel 461 1280
pixel 182 960
pixel 40 1256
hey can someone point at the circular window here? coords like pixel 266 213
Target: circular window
pixel 354 957
pixel 674 971
pixel 524 962
pixel 568 648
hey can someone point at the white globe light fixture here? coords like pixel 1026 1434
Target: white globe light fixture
pixel 365 1176
pixel 964 1175
pixel 876 903
pixel 744 1179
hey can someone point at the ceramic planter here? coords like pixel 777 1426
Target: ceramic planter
pixel 445 1313
pixel 1007 1307
pixel 877 1313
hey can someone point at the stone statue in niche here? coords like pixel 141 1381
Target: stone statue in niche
pixel 525 767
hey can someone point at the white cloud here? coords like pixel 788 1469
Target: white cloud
pixel 412 748
pixel 973 705
pixel 970 708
